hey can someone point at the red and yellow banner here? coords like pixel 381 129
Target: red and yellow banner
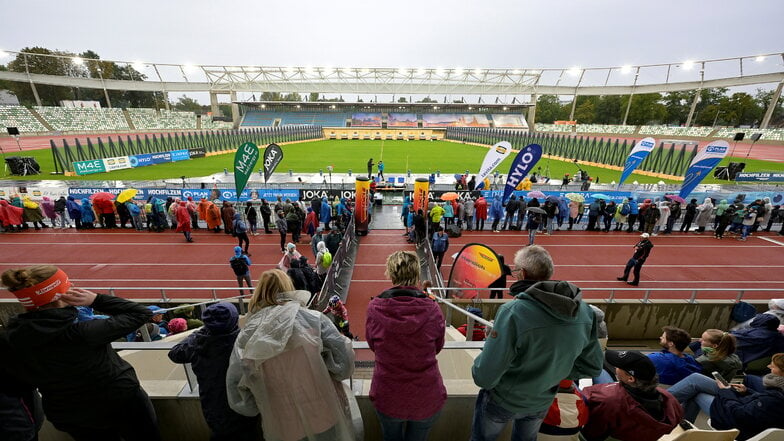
pixel 361 216
pixel 421 194
pixel 476 266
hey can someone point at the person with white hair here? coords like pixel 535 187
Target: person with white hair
pixel 642 250
pixel 704 212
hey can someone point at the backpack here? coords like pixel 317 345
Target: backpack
pixel 326 259
pixel 625 209
pixel 742 312
pixel 239 265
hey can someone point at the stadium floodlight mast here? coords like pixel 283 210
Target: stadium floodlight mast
pixel 79 61
pixel 138 65
pixel 759 58
pixel 574 71
pixel 626 69
pixel 688 65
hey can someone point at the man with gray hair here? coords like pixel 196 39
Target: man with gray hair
pixel 545 335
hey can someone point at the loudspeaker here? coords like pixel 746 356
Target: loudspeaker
pixel 13 131
pixel 739 136
pixel 720 172
pixel 733 168
pixel 755 137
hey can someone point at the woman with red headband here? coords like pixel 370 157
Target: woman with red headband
pixel 88 390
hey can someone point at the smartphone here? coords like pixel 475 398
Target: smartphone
pixel 719 378
pixel 738 379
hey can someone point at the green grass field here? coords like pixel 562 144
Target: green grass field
pixel 399 156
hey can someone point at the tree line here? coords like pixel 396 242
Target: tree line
pixel 716 107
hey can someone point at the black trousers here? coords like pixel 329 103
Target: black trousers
pixel 243 237
pixel 438 256
pixel 637 265
pixel 632 221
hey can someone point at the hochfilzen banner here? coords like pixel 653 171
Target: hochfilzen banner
pixel 244 160
pixel 640 151
pixel 273 154
pixel 704 161
pixel 493 158
pixel 522 164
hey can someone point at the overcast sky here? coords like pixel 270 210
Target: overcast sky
pixel 400 33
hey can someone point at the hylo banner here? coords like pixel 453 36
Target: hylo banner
pixel 421 194
pixel 361 206
pixel 522 164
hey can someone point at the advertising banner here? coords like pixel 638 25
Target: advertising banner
pixel 640 151
pixel 495 155
pixel 476 266
pixel 522 164
pixel 760 177
pixel 161 157
pixel 273 154
pixel 361 205
pixel 244 161
pixel 89 167
pixel 180 155
pixel 118 163
pixel 140 160
pixel 199 152
pixel 310 193
pixel 421 194
pixel 703 163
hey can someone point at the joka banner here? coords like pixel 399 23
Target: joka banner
pixel 640 151
pixel 494 157
pixel 522 164
pixel 476 266
pixel 703 163
pixel 273 154
pixel 244 161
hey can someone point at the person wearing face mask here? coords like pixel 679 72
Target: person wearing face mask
pixel 718 353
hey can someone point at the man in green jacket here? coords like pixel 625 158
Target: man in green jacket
pixel 547 334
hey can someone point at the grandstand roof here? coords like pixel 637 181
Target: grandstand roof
pixel 380 105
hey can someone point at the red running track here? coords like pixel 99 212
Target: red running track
pixel 763 152
pixel 126 258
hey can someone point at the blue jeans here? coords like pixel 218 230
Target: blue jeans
pixel 603 378
pixel 531 236
pixel 490 419
pixel 746 231
pixel 695 392
pixel 394 429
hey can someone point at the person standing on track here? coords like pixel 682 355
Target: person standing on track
pixel 240 264
pixel 241 232
pixel 183 218
pixel 641 252
pixel 370 168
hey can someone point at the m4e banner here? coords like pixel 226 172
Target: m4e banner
pixel 476 266
pixel 522 164
pixel 273 154
pixel 244 161
pixel 706 159
pixel 494 157
pixel 640 151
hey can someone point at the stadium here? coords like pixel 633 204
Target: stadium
pixel 92 129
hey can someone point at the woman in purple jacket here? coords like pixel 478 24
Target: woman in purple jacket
pixel 405 330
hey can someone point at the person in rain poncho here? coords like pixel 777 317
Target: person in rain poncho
pixel 704 213
pixel 286 364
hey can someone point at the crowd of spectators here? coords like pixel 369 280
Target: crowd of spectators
pixel 281 372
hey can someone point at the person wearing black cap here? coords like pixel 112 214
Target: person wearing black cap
pixel 633 408
pixel 642 250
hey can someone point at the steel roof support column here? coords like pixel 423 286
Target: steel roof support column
pixel 772 106
pixel 693 106
pixel 214 108
pixel 32 85
pixel 235 109
pixel 532 114
pixel 631 95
